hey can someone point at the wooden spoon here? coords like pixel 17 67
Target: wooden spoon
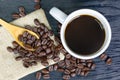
pixel 15 31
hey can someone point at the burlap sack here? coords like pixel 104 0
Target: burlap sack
pixel 9 68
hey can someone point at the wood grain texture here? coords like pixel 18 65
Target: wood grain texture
pixel 109 8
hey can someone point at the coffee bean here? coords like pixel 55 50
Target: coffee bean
pixel 103 56
pixel 38 50
pixel 50 68
pixel 67 71
pixel 36 21
pixel 60 70
pixel 22 14
pixel 42 53
pixel 35 29
pixel 68 56
pixel 45 35
pixel 61 63
pixel 89 61
pixel 48 50
pixel 38 75
pixel 44 63
pixel 66 77
pixel 78 71
pixel 50 33
pixel 93 66
pixel 15 51
pixel 44 47
pixel 55 67
pixel 72 70
pixel 15 44
pixel 63 51
pixel 108 61
pixel 42 26
pixel 45 71
pixel 33 38
pixel 86 69
pixel 37 6
pixel 37 1
pixel 44 41
pixel 18 58
pixel 10 49
pixel 21 9
pixel 29 42
pixel 82 73
pixel 56 59
pixel 73 74
pixel 89 65
pixel 20 38
pixel 80 65
pixel 15 15
pixel 26 65
pixel 49 56
pixel 33 63
pixel 46 29
pixel 46 76
pixel 41 33
pixel 86 73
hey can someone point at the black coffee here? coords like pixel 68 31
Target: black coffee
pixel 85 35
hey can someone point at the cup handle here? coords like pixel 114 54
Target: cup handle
pixel 58 14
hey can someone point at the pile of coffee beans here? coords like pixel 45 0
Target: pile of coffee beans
pixel 44 46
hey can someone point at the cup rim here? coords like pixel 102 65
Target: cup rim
pixel 64 25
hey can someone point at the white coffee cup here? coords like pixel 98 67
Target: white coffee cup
pixel 65 19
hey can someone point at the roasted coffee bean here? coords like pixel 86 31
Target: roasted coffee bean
pixel 67 71
pixel 82 73
pixel 68 56
pixel 45 71
pixel 37 1
pixel 27 46
pixel 36 21
pixel 44 41
pixel 33 63
pixel 103 56
pixel 46 76
pixel 66 77
pixel 73 74
pixel 42 53
pixel 37 6
pixel 28 27
pixel 29 42
pixel 46 29
pixel 22 14
pixel 50 68
pixel 15 44
pixel 86 73
pixel 48 50
pixel 56 59
pixel 72 70
pixel 10 49
pixel 108 61
pixel 67 62
pixel 41 33
pixel 18 58
pixel 93 66
pixel 35 29
pixel 26 65
pixel 45 35
pixel 44 47
pixel 21 9
pixel 38 50
pixel 60 70
pixel 15 15
pixel 38 75
pixel 63 51
pixel 15 51
pixel 33 38
pixel 86 69
pixel 78 61
pixel 80 65
pixel 61 63
pixel 55 67
pixel 89 65
pixel 49 56
pixel 44 63
pixel 78 71
pixel 42 26
pixel 50 33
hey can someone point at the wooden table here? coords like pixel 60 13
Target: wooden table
pixel 109 8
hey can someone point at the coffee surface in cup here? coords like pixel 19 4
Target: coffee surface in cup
pixel 85 35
